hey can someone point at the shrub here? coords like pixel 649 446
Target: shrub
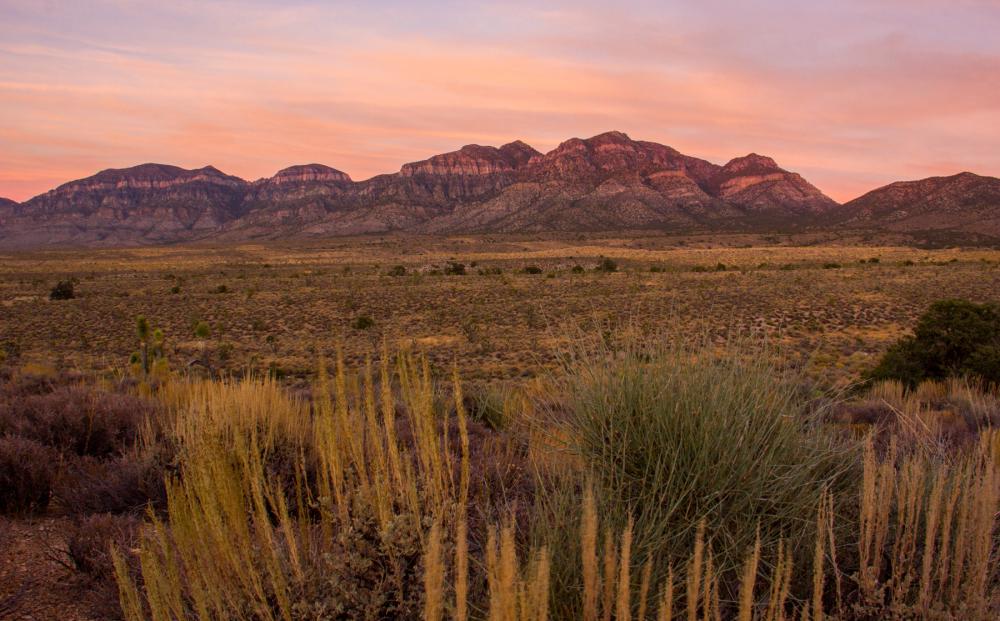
pixel 577 269
pixel 397 271
pixel 656 269
pixel 27 472
pixel 491 406
pixel 455 269
pixel 76 419
pixel 953 338
pixel 671 436
pixel 607 265
pixel 89 541
pixel 175 290
pixel 62 291
pixel 202 330
pixel 126 485
pixel 532 269
pixel 363 322
pixel 831 266
pixel 221 289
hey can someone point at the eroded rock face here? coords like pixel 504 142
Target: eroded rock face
pixel 607 182
pixel 965 202
pixel 756 183
pixel 307 173
pixel 143 204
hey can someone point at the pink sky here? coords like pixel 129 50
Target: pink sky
pixel 852 95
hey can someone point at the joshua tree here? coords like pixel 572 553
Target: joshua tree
pixel 150 344
pixel 201 332
pixel 143 332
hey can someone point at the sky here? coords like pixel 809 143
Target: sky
pixel 852 94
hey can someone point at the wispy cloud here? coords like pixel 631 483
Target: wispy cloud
pixel 852 94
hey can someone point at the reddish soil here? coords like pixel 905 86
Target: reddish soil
pixel 37 579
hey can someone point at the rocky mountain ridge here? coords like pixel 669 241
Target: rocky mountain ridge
pixel 962 204
pixel 605 183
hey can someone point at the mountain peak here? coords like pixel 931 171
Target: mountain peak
pixel 306 173
pixel 751 162
pixel 473 159
pixel 613 136
pixel 962 202
pixel 757 183
pixel 606 182
pixel 519 152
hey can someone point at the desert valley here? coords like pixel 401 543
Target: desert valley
pixel 557 378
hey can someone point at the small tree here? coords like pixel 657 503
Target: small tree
pixel 151 346
pixel 953 338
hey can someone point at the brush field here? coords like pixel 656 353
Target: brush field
pixel 506 429
pixel 276 307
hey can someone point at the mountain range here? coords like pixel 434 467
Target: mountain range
pixel 605 183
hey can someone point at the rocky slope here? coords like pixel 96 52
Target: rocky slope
pixel 756 183
pixel 608 182
pixel 963 203
pixel 147 203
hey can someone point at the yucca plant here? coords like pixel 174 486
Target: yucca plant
pixel 672 436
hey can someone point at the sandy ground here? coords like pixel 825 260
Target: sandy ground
pixel 35 584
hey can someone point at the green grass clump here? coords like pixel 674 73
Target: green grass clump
pixel 670 436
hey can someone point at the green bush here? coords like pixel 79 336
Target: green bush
pixel 532 269
pixel 397 271
pixel 202 330
pixel 364 322
pixel 607 265
pixel 455 269
pixel 62 291
pixel 953 338
pixel 671 436
pixel 577 269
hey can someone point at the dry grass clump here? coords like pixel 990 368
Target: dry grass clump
pixel 646 483
pixel 927 546
pixel 934 415
pixel 342 537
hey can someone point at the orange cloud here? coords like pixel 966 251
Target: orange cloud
pixel 842 94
